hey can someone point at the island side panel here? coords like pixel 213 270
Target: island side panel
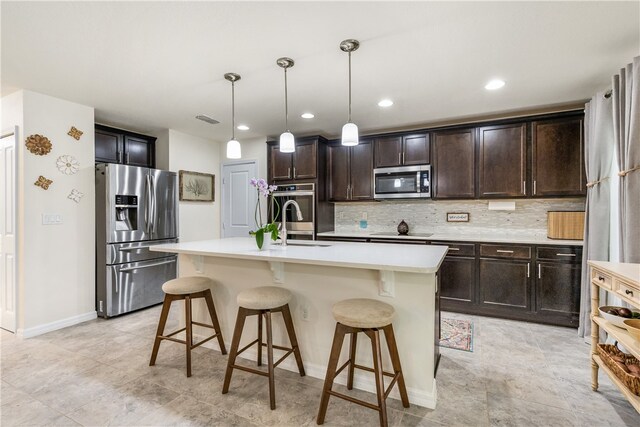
pixel 315 289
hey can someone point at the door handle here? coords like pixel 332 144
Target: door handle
pixel 534 187
pixel 453 249
pixel 288 172
pixel 539 271
pixel 294 171
pixel 154 213
pixel 528 265
pixel 127 157
pixel 136 248
pixel 147 205
pixel 399 158
pixel 503 251
pixel 156 264
pixel 403 158
pixel 571 255
pixel 524 187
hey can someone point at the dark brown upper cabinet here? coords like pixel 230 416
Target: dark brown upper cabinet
pixel 350 172
pixel 120 146
pixel 299 165
pixel 558 158
pixel 403 150
pixel 454 165
pixel 502 161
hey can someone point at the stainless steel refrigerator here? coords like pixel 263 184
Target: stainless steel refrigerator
pixel 136 208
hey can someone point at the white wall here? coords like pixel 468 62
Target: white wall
pixel 56 273
pixel 180 151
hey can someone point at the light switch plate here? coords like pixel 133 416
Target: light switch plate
pixel 52 219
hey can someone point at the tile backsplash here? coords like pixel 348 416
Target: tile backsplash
pixel 529 216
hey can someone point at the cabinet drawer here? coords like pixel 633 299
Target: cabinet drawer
pixel 458 249
pixel 601 278
pixel 560 253
pixel 504 251
pixel 628 291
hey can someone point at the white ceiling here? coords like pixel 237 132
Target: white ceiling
pixel 155 65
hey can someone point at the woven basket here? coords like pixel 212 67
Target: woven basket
pixel 632 382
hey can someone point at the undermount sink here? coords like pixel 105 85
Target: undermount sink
pixel 313 245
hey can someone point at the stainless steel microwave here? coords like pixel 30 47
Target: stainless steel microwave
pixel 405 182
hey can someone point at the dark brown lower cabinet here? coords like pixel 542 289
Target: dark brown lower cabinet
pixel 505 285
pixel 458 278
pixel 558 292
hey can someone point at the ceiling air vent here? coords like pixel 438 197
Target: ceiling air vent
pixel 207 119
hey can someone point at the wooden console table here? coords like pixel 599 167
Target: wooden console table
pixel 622 280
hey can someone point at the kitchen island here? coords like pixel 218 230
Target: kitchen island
pixel 319 274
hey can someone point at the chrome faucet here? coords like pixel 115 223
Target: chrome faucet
pixel 283 235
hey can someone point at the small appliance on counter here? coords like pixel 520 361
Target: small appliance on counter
pixel 566 225
pixel 136 208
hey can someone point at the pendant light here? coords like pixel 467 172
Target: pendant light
pixel 287 141
pixel 349 130
pixel 233 146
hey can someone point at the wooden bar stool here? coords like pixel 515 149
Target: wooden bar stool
pixel 187 288
pixel 263 301
pixel 368 316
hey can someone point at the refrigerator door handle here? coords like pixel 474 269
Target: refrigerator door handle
pixel 155 205
pixel 155 264
pixel 146 204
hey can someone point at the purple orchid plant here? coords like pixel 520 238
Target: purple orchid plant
pixel 270 228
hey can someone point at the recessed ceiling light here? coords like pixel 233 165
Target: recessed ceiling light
pixel 385 103
pixel 243 127
pixel 307 116
pixel 494 84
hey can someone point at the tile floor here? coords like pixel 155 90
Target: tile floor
pixel 97 373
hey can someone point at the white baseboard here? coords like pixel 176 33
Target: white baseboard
pixel 58 324
pixel 360 381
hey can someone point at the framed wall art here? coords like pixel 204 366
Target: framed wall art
pixel 196 186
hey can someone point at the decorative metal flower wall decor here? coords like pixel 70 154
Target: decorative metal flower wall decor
pixel 38 144
pixel 75 195
pixel 43 182
pixel 75 133
pixel 68 165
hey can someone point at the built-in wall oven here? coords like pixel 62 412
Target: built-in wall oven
pixel 305 196
pixel 405 182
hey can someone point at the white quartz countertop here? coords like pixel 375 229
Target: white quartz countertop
pixel 373 256
pixel 459 237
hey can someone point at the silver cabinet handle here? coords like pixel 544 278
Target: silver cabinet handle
pixel 403 158
pixel 570 255
pixel 524 187
pixel 534 187
pixel 294 171
pixel 399 158
pixel 127 156
pixel 119 156
pixel 528 265
pixel 130 269
pixel 503 251
pixel 539 271
pixel 347 192
pixel 288 172
pixel 453 249
pixel 628 292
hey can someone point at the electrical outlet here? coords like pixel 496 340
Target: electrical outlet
pixel 52 219
pixel 305 312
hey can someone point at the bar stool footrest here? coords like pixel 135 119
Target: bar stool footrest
pixel 354 400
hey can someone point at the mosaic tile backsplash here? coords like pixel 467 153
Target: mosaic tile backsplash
pixel 529 216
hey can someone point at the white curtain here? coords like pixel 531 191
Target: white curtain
pixel 598 149
pixel 626 130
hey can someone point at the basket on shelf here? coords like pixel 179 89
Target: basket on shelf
pixel 606 352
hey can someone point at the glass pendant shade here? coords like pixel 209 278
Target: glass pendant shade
pixel 350 134
pixel 233 149
pixel 287 143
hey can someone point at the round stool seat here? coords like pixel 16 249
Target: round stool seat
pixel 363 313
pixel 264 298
pixel 187 285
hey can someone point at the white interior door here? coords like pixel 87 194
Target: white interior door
pixel 8 208
pixel 238 199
